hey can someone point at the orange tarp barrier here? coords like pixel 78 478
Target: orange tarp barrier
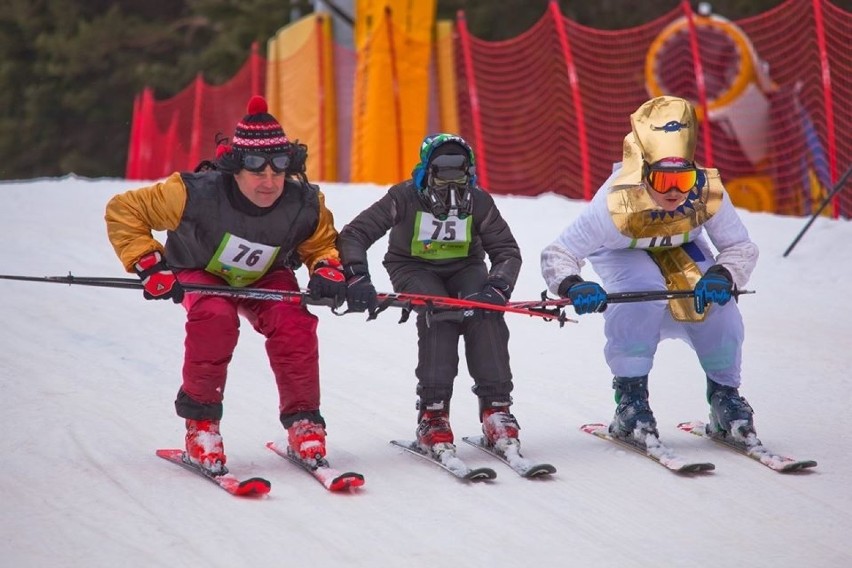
pixel 391 99
pixel 300 90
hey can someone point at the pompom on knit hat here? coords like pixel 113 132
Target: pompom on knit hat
pixel 259 131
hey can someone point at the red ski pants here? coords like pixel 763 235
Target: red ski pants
pixel 212 330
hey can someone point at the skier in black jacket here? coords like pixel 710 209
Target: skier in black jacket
pixel 441 227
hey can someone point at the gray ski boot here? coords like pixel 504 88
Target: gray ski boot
pixel 730 413
pixel 633 415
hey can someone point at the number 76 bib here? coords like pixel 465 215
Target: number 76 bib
pixel 241 262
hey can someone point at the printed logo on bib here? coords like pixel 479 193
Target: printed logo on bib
pixel 661 242
pixel 241 262
pixel 435 239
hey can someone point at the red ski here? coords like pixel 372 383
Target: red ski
pixel 253 487
pixel 321 470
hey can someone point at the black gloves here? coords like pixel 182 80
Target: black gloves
pixel 494 292
pixel 586 297
pixel 158 281
pixel 327 281
pixel 360 292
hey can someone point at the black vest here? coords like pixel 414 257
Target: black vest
pixel 215 207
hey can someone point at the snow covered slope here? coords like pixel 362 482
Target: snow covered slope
pixel 88 378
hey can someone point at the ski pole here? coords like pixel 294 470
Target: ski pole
pixel 409 301
pixel 840 184
pixel 295 297
pixel 620 297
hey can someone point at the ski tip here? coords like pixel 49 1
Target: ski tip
pixel 346 481
pixel 696 468
pixel 795 466
pixel 480 474
pixel 542 471
pixel 253 487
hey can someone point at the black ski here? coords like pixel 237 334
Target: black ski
pixel 752 448
pixel 253 487
pixel 651 448
pixel 513 458
pixel 447 459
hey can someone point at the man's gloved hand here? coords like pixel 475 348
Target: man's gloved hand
pixel 360 292
pixel 494 292
pixel 715 287
pixel 586 297
pixel 327 281
pixel 158 281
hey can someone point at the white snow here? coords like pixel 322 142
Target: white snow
pixel 88 378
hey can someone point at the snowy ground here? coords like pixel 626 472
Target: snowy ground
pixel 88 378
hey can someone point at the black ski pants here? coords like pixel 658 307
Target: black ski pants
pixel 486 335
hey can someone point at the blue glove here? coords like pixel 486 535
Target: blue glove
pixel 586 297
pixel 715 287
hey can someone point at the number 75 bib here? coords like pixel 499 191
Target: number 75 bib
pixel 241 262
pixel 435 239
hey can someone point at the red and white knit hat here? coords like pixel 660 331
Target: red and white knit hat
pixel 258 131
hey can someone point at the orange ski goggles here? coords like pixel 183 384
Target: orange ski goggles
pixel 663 181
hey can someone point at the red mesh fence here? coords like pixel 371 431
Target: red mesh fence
pixel 773 86
pixel 546 111
pixel 175 134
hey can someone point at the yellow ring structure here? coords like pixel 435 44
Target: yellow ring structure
pixel 744 77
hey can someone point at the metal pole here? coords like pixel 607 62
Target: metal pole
pixel 826 201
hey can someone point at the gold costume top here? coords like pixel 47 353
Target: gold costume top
pixel 664 127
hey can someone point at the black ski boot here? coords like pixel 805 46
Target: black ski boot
pixel 730 413
pixel 633 411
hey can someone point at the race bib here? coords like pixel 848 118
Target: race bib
pixel 435 239
pixel 660 242
pixel 241 262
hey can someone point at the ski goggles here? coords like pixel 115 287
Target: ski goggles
pixel 257 162
pixel 449 169
pixel 663 181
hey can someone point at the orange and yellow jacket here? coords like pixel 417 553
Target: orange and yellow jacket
pixel 203 212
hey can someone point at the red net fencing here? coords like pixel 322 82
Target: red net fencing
pixel 547 110
pixel 175 134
